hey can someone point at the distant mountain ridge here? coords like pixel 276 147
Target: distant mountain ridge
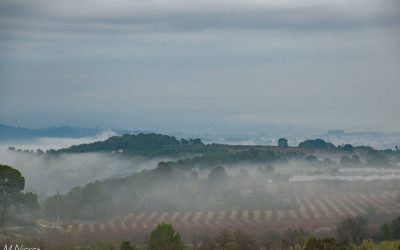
pixel 8 132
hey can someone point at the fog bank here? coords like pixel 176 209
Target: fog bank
pixel 45 143
pixel 47 174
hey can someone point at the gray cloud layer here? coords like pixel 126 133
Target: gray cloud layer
pixel 201 65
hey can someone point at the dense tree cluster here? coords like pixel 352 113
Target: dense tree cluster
pixel 165 237
pixel 211 160
pixel 93 201
pixel 165 189
pixel 391 230
pixel 140 143
pixel 12 183
pixel 318 144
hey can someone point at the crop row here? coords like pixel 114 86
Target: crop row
pixel 312 212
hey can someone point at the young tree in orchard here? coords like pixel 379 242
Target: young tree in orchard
pixel 164 237
pixel 11 185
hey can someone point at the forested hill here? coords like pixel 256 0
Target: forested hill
pixel 159 144
pixel 140 143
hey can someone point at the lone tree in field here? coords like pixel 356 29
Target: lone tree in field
pixel 283 143
pixel 164 237
pixel 11 185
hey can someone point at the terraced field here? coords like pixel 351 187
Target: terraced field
pixel 313 213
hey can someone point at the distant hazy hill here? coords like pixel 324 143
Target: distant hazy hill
pixel 140 143
pixel 8 133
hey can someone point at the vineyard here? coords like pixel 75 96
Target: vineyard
pixel 314 213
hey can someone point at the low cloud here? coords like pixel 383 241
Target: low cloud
pixel 47 174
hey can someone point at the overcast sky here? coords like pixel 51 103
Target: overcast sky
pixel 234 66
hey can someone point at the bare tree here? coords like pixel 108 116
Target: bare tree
pixel 352 230
pixel 204 242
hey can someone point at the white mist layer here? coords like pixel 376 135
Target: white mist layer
pixel 45 175
pixel 45 143
pixel 310 178
pixel 369 170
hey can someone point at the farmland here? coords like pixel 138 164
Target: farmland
pixel 204 189
pixel 318 214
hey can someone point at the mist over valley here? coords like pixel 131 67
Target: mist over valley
pixel 199 125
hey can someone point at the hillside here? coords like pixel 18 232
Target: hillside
pixel 141 143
